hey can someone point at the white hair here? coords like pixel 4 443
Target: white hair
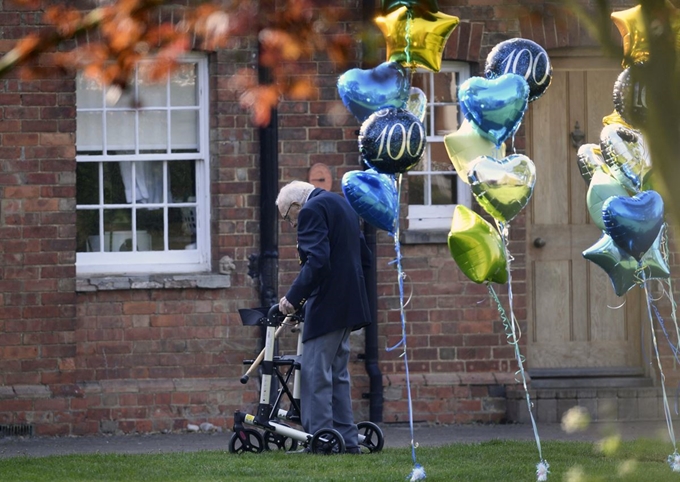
pixel 296 191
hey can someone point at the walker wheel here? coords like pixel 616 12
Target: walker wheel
pixel 327 441
pixel 276 441
pixel 373 437
pixel 246 440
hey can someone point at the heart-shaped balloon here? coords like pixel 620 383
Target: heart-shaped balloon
pixel 495 106
pixel 601 188
pixel 476 247
pixel 634 222
pixel 503 187
pixel 373 196
pixel 465 145
pixel 624 149
pixel 417 103
pixel 366 91
pixel 590 160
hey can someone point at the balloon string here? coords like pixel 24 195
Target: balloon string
pixel 402 342
pixel 666 408
pixel 407 36
pixel 513 333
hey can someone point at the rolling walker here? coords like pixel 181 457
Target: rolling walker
pixel 271 417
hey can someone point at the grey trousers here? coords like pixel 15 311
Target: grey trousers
pixel 325 390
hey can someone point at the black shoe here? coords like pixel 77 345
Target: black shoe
pixel 353 451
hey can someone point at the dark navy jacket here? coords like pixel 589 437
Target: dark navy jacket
pixel 334 255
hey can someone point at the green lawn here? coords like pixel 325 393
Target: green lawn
pixel 496 461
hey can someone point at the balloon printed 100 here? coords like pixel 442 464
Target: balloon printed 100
pixel 392 140
pixel 530 66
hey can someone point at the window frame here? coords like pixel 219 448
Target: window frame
pixel 166 261
pixel 427 216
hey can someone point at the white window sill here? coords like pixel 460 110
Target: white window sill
pixel 424 236
pixel 152 282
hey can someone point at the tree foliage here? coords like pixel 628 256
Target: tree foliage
pixel 111 38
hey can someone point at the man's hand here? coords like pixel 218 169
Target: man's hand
pixel 286 307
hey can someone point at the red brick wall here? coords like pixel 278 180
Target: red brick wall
pixel 154 360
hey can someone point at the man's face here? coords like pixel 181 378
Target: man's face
pixel 291 213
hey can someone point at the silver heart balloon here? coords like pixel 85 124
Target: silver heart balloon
pixel 590 160
pixel 417 103
pixel 624 149
pixel 502 187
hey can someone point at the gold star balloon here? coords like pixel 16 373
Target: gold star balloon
pixel 633 30
pixel 429 5
pixel 415 37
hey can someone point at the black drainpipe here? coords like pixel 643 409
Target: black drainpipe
pixel 375 395
pixel 269 188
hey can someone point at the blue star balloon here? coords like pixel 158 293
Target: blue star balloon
pixel 522 57
pixel 373 196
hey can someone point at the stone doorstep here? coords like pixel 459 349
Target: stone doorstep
pixel 610 404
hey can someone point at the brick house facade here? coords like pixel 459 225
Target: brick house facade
pixel 149 353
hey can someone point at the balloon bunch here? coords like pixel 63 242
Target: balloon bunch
pixel 517 72
pixel 392 136
pixel 633 247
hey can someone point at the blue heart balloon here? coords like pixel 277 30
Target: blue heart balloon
pixel 634 222
pixel 373 196
pixel 495 107
pixel 367 91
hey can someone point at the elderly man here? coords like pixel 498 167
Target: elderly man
pixel 331 287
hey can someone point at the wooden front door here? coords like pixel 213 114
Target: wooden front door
pixel 577 325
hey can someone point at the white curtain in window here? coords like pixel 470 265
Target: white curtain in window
pixel 148 186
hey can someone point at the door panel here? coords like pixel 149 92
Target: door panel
pixel 575 319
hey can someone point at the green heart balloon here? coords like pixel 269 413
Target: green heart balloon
pixel 602 187
pixel 503 187
pixel 477 247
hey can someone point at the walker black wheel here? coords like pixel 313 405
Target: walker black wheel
pixel 373 438
pixel 246 440
pixel 327 441
pixel 276 441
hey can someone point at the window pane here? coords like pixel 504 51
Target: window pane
pixel 445 87
pixel 439 158
pixel 114 190
pixel 87 183
pixel 445 119
pixel 150 230
pixel 182 228
pixel 421 80
pixel 151 94
pixel 184 131
pixel 183 86
pixel 444 189
pixel 146 182
pixel 89 133
pixel 416 189
pixel 153 131
pixel 182 175
pixel 120 132
pixel 89 93
pixel 87 230
pixel 117 230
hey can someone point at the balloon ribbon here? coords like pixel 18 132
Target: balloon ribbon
pixel 418 472
pixel 513 334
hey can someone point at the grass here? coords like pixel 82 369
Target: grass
pixel 496 461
